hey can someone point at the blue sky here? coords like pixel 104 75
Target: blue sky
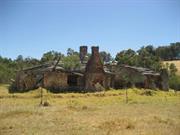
pixel 33 27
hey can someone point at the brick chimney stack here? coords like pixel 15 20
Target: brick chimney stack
pixel 95 50
pixel 83 53
pixel 94 63
pixel 94 73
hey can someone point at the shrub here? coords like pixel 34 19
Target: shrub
pixel 99 87
pixel 174 82
pixel 147 93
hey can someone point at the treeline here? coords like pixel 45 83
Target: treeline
pixel 171 52
pixel 147 56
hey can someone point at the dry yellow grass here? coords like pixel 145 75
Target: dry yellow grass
pixel 101 113
pixel 176 62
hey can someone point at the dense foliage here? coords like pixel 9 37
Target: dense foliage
pixel 170 52
pixel 145 57
pixel 149 57
pixel 7 69
pixel 174 82
pixel 174 79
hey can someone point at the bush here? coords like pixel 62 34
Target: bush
pixel 174 82
pixel 147 93
pixel 99 87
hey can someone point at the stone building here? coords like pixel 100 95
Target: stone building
pixel 130 76
pixel 92 76
pixel 44 76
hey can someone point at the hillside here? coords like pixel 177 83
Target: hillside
pixel 147 112
pixel 177 63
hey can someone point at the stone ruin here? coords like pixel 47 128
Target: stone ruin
pixel 93 75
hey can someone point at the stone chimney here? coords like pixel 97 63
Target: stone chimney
pixel 95 50
pixel 83 53
pixel 94 64
pixel 94 73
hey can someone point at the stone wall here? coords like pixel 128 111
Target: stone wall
pixel 164 79
pixel 126 77
pixel 55 80
pixel 25 81
pixel 80 81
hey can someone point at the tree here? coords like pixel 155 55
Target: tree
pixel 175 50
pixel 7 69
pixel 172 69
pixel 71 52
pixel 19 61
pixel 150 49
pixel 144 57
pixel 51 56
pixel 126 57
pixel 148 59
pixel 19 58
pixel 105 56
pixel 170 52
pixel 71 62
pixel 29 62
pixel 174 82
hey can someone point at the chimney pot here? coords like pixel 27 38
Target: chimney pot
pixel 83 52
pixel 95 49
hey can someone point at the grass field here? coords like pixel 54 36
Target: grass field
pixel 102 113
pixel 177 63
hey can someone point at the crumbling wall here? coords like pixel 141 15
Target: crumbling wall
pixel 130 76
pixel 150 82
pixel 17 84
pixel 126 77
pixel 164 80
pixel 55 80
pixel 80 81
pixel 109 80
pixel 25 81
pixel 30 82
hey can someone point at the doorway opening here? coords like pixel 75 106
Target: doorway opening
pixel 72 80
